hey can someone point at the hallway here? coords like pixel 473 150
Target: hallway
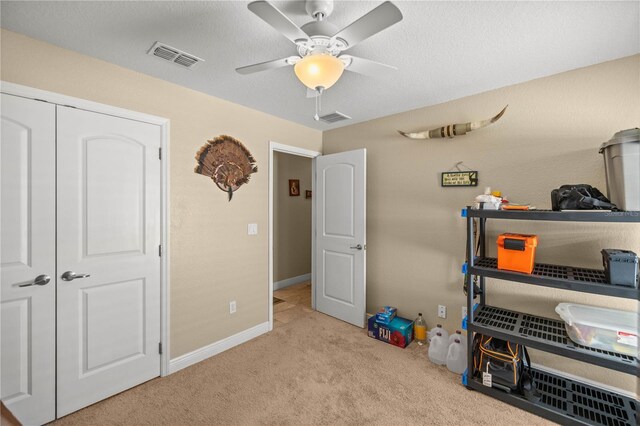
pixel 291 303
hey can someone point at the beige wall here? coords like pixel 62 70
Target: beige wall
pixel 549 136
pixel 291 217
pixel 213 260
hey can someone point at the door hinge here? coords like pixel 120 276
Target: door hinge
pixel 160 348
pixel 159 153
pixel 160 250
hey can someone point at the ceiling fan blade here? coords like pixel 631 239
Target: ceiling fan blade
pixel 373 22
pixel 269 65
pixel 278 20
pixel 368 67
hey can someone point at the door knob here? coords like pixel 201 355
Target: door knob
pixel 70 276
pixel 40 280
pixel 358 247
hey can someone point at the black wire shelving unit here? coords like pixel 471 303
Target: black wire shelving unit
pixel 564 399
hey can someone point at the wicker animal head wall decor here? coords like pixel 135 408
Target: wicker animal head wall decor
pixel 227 162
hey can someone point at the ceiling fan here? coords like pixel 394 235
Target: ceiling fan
pixel 320 45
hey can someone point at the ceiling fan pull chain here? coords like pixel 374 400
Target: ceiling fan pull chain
pixel 318 105
pixel 316 117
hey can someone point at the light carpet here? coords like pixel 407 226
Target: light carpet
pixel 314 370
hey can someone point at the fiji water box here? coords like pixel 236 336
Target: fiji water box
pixel 399 331
pixel 386 314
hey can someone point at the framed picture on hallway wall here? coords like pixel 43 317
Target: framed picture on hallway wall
pixel 294 187
pixel 307 194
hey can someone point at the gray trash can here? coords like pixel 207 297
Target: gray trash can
pixel 622 167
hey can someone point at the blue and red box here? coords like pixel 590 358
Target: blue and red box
pixel 399 331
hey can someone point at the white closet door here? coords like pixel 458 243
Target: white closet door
pixel 27 251
pixel 109 230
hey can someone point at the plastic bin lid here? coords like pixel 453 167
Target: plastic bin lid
pixel 623 136
pixel 592 316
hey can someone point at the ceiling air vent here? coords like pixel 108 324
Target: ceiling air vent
pixel 174 55
pixel 334 117
pixel 186 61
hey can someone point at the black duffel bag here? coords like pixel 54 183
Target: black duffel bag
pixel 507 363
pixel 579 197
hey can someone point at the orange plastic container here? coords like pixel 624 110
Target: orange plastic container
pixel 517 252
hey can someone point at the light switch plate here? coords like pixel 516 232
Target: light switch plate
pixel 232 307
pixel 252 229
pixel 442 311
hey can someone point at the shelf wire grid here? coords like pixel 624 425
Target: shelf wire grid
pixel 544 330
pixel 569 273
pixel 584 402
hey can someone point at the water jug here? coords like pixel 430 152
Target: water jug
pixel 457 357
pixel 458 335
pixel 438 349
pixel 438 329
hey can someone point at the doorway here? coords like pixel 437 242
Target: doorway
pixel 291 237
pixel 291 216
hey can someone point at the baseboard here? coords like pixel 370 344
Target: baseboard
pixel 291 281
pixel 208 351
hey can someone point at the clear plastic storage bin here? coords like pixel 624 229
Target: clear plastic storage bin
pixel 607 329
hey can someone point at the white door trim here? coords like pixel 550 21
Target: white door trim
pixel 301 152
pixel 56 98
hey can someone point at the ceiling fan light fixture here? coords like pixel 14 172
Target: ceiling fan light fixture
pixel 320 70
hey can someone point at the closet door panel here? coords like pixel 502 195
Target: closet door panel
pixel 108 235
pixel 27 258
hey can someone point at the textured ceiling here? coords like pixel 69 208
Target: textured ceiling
pixel 444 50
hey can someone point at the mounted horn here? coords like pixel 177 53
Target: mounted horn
pixel 453 130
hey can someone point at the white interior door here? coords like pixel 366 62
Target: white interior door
pixel 27 252
pixel 340 248
pixel 108 256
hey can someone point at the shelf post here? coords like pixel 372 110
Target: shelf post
pixel 470 296
pixel 483 253
pixel 483 247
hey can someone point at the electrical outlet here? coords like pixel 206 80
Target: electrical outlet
pixel 464 312
pixel 232 307
pixel 252 229
pixel 442 311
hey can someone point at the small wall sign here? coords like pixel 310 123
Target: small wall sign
pixel 460 178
